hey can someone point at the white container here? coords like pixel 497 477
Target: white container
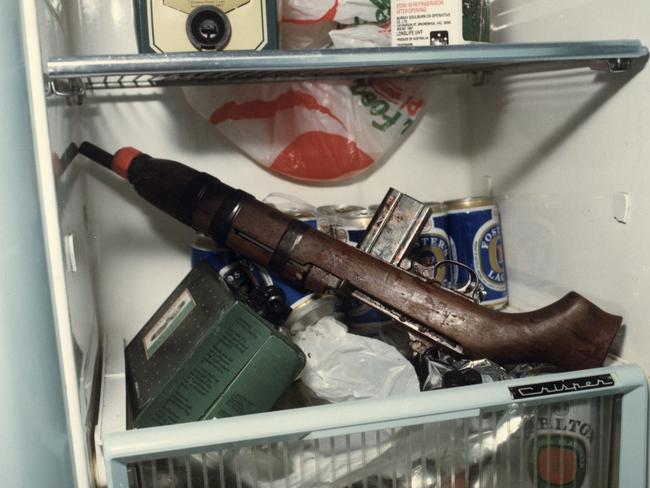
pixel 564 153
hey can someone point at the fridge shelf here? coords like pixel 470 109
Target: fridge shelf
pixel 76 75
pixel 363 442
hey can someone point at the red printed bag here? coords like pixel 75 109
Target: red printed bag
pixel 317 131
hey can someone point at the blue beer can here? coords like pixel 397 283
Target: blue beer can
pixel 349 225
pixel 474 229
pixel 305 216
pixel 342 222
pixel 363 319
pixel 433 246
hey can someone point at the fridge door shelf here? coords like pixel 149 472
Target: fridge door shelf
pixel 435 435
pixel 77 75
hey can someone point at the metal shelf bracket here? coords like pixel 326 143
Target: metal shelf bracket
pixel 73 89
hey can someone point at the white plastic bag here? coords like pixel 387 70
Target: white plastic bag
pixel 341 11
pixel 342 366
pixel 325 130
pixel 312 131
pixel 364 35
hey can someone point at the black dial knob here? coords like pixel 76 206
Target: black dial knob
pixel 208 28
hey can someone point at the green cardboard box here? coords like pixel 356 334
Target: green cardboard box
pixel 205 354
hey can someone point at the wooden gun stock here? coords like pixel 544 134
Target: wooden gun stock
pixel 571 333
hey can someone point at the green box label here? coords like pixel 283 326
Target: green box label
pixel 168 323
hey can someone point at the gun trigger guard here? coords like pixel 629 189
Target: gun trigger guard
pixel 471 289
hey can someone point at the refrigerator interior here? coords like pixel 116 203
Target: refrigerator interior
pixel 563 153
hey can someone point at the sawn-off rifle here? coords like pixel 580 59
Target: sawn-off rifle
pixel 571 333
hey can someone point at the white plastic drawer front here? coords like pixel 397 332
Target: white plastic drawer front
pixel 561 444
pixel 475 436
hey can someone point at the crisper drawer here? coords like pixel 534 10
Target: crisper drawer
pixel 584 429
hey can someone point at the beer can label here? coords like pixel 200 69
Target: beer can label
pixel 489 262
pixel 313 223
pixel 350 235
pixel 433 247
pixel 351 230
pixel 563 439
pixel 558 460
pixel 362 318
pixel 476 237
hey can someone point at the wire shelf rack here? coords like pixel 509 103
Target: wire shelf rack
pixel 78 75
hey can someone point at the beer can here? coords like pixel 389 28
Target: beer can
pixel 475 231
pixel 304 215
pixel 338 221
pixel 293 207
pixel 433 247
pixel 310 309
pixel 363 319
pixel 351 226
pixel 569 444
pixel 348 223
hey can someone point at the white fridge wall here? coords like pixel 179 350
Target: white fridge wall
pixel 560 149
pixel 64 128
pixel 53 127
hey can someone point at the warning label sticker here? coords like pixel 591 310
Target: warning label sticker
pixel 427 22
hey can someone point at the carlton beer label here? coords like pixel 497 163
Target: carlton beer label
pixel 558 461
pixel 565 446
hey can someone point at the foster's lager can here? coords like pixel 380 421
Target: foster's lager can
pixel 346 223
pixel 475 232
pixel 349 224
pixel 433 246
